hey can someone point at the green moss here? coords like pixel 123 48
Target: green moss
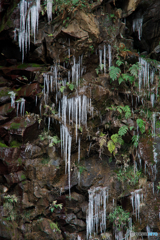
pixel 23 177
pixel 54 226
pixel 45 160
pixel 15 144
pixel 20 160
pixel 10 110
pixel 3 145
pixel 15 125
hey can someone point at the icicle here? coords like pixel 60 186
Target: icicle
pixel 136 199
pixel 79 178
pixel 17 108
pixel 104 58
pixel 49 120
pixel 152 99
pixel 22 107
pixel 153 187
pixel 137 26
pixel 76 109
pixel 154 123
pixel 76 102
pixel 100 60
pixel 49 10
pixel 79 149
pixel 29 17
pixel 12 96
pixel 36 100
pixel 96 216
pixel 66 140
pixel 109 56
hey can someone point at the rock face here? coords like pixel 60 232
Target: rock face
pixel 79 126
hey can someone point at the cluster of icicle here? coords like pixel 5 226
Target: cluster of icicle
pixel 136 200
pixel 20 103
pixel 29 20
pixel 146 77
pixel 76 109
pixel 96 217
pixel 137 26
pixel 73 110
pixel 102 57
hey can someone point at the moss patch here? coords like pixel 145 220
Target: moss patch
pixel 15 125
pixel 15 144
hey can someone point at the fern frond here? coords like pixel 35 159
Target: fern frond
pixel 127 111
pixel 123 130
pixel 141 125
pixel 135 140
pixel 119 63
pixel 111 146
pixel 120 80
pixel 114 72
pixel 119 109
pixel 134 70
pixel 127 77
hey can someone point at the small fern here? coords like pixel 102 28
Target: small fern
pixel 128 77
pixel 120 80
pixel 141 125
pixel 119 63
pixel 127 111
pixel 114 72
pixel 111 146
pixel 134 70
pixel 123 130
pixel 135 140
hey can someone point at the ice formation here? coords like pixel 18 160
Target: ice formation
pixel 12 96
pixel 136 200
pixel 29 18
pixel 137 26
pixel 96 216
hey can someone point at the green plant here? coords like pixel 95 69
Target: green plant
pixel 115 143
pixel 81 169
pixel 141 125
pixel 54 226
pixel 158 187
pixel 119 62
pixel 8 206
pixel 134 69
pixel 62 89
pixel 119 217
pixel 52 140
pixel 15 144
pixel 3 145
pixel 114 72
pixel 70 85
pixel 99 68
pixel 81 129
pixel 126 110
pixel 123 130
pixel 15 126
pixel 135 140
pixel 129 175
pixel 91 48
pixel 45 160
pixel 54 205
